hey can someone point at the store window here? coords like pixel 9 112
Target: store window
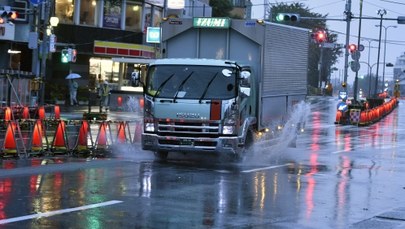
pixel 157 18
pixel 133 16
pixel 64 10
pixel 103 69
pixel 88 12
pixel 148 17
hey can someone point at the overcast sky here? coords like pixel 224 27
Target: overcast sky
pixel 335 10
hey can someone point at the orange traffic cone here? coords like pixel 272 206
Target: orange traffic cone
pixel 26 113
pixel 41 113
pixel 36 139
pixel 82 137
pixel 121 135
pixel 138 132
pixel 101 141
pixel 57 111
pixel 8 114
pixel 59 140
pixel 10 144
pixel 141 103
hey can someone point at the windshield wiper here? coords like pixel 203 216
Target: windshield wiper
pixel 208 86
pixel 181 85
pixel 162 85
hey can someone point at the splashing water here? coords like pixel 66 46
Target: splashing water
pixel 132 104
pixel 288 134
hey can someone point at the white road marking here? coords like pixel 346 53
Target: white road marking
pixel 265 168
pixel 58 212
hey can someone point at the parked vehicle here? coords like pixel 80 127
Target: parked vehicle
pixel 220 83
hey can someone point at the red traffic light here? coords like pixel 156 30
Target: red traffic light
pixel 319 36
pixel 352 48
pixel 12 15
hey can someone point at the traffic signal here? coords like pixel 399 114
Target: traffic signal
pixel 65 56
pixel 6 16
pixel 319 36
pixel 288 17
pixel 352 48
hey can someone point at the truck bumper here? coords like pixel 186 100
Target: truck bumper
pixel 220 145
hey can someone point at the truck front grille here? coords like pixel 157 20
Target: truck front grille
pixel 197 129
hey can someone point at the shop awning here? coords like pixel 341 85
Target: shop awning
pixel 132 60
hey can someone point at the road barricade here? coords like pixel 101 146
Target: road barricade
pixel 363 117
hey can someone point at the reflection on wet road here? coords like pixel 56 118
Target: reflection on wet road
pixel 335 177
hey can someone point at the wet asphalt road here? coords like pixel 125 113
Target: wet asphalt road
pixel 336 177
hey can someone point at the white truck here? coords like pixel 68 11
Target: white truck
pixel 220 82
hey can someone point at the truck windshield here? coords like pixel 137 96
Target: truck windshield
pixel 191 82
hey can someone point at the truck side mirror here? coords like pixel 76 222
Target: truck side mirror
pixel 135 79
pixel 245 78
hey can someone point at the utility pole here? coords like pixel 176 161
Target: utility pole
pixel 320 65
pixel 358 45
pixel 348 19
pixel 44 49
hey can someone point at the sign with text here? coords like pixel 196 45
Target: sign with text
pixel 153 35
pixel 207 22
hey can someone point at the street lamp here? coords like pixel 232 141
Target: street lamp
pixel 385 46
pixel 381 13
pixel 370 69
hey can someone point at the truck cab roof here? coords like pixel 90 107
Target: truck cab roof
pixel 192 61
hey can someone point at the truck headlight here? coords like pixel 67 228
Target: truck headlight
pixel 149 127
pixel 228 129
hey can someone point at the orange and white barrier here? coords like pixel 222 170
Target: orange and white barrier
pixel 369 116
pixel 55 136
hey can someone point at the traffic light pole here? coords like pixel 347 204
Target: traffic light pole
pixel 348 19
pixel 358 45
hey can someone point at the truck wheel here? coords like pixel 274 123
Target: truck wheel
pixel 161 155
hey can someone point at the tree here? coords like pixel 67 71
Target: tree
pixel 330 56
pixel 221 8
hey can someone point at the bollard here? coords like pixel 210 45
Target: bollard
pixel 8 115
pixel 57 111
pixel 26 113
pixel 41 112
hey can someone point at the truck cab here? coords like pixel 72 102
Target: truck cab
pixel 197 105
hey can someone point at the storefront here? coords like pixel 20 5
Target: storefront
pixel 117 71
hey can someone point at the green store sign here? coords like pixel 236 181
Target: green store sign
pixel 209 22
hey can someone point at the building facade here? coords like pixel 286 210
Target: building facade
pixel 99 30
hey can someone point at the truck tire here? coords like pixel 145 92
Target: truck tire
pixel 161 155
